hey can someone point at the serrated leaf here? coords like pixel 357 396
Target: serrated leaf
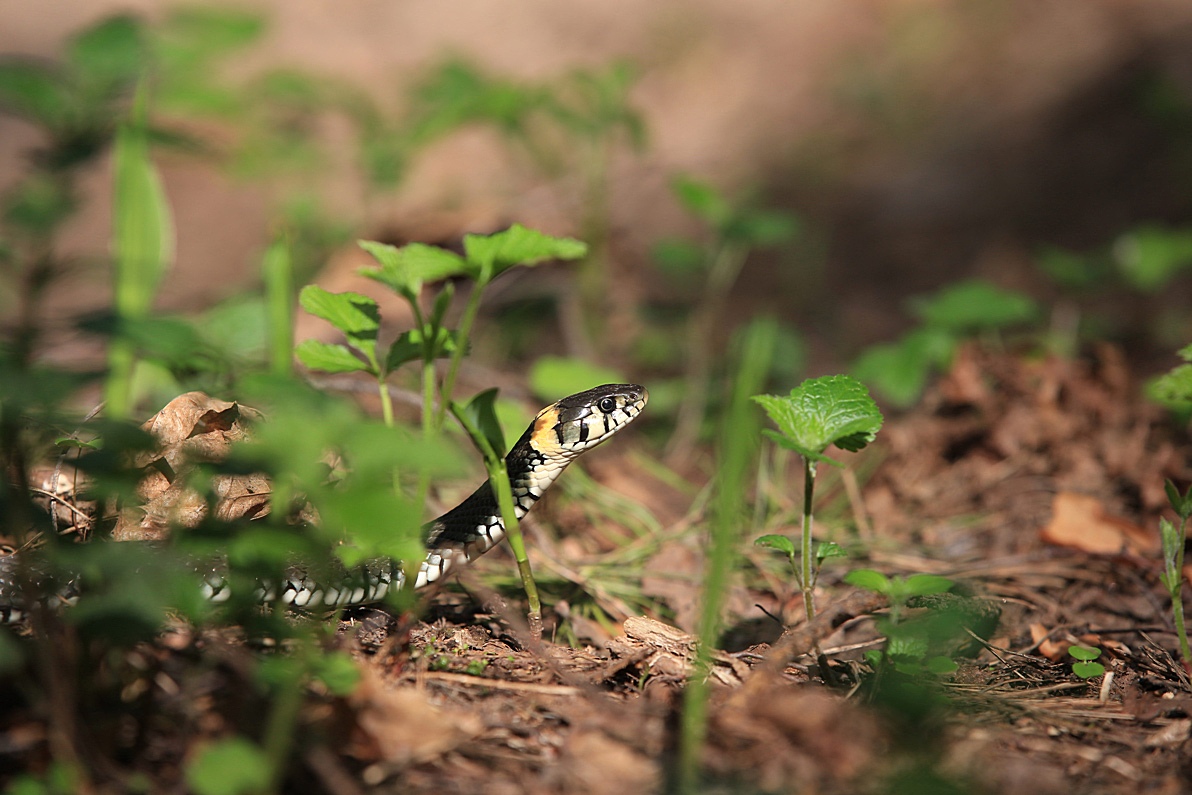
pixel 824 411
pixel 778 542
pixel 356 315
pixel 328 357
pixel 868 579
pixel 406 269
pixel 491 255
pixel 233 766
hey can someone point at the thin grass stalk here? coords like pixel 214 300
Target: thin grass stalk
pixel 737 446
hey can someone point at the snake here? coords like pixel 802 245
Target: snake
pixel 559 434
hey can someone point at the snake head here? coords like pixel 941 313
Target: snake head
pixel 586 419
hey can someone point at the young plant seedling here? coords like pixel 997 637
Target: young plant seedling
pixel 405 270
pixel 1086 668
pixel 820 412
pixel 908 643
pixel 1173 561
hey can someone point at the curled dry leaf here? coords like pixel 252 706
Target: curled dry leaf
pixel 192 428
pixel 1080 521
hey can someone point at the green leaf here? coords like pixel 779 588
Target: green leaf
pixel 552 377
pixel 490 255
pixel 898 371
pixel 778 542
pixel 417 344
pixel 925 584
pixel 356 315
pixel 975 306
pixel 328 357
pixel 110 53
pixel 35 92
pixel 940 665
pixel 828 549
pixel 1180 503
pixel 144 235
pixel 338 671
pixel 1173 389
pixel 404 270
pixel 1088 670
pixel 702 200
pixel 679 257
pixel 762 228
pixel 479 419
pixel 868 579
pixel 1084 652
pixel 232 766
pixel 823 411
pixel 1149 257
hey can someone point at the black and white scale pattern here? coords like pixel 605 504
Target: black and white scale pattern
pixel 559 434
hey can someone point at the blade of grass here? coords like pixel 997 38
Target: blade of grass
pixel 736 449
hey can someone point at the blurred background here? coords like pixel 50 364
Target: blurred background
pixel 1026 162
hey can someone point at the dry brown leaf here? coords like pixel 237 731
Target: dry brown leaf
pixel 1053 650
pixel 400 725
pixel 191 428
pixel 1080 521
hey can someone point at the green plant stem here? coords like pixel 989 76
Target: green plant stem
pixel 1177 600
pixel 386 402
pixel 808 583
pixel 279 730
pixel 498 479
pixel 278 274
pixel 465 330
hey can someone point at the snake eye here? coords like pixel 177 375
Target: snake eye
pixel 607 405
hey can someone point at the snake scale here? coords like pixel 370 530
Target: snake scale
pixel 559 434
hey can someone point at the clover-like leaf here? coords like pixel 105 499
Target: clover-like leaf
pixel 490 255
pixel 404 270
pixel 927 584
pixel 823 411
pixel 328 357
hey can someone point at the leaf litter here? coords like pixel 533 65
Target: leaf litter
pixel 1038 483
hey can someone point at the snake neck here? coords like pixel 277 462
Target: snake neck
pixel 475 526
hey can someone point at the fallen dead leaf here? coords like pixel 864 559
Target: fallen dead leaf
pixel 1080 521
pixel 400 725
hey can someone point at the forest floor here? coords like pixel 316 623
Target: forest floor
pixel 1037 483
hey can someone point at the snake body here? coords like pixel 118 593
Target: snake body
pixel 558 435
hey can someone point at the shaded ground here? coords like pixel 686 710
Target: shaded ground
pixel 966 486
